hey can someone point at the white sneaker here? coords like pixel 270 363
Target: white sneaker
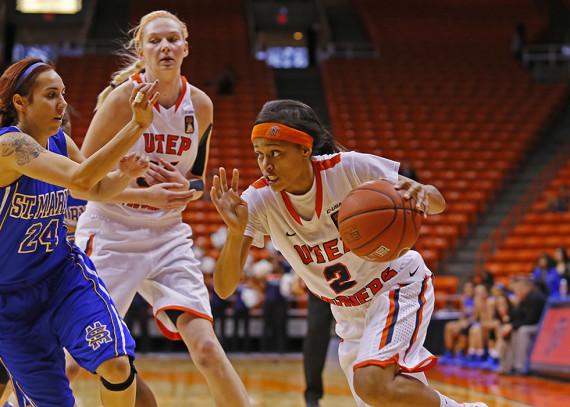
pixel 479 404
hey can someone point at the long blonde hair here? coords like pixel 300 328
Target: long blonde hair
pixel 130 53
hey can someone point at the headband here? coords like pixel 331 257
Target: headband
pixel 281 132
pixel 27 72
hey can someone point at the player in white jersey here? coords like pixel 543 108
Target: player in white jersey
pixel 382 310
pixel 142 249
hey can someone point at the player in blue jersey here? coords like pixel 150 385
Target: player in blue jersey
pixel 50 295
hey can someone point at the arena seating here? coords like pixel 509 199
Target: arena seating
pixel 540 230
pixel 445 95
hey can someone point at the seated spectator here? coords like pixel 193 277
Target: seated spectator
pixel 475 335
pixel 454 341
pixel 501 311
pixel 546 277
pixel 562 263
pixel 517 335
pixel 275 307
pixel 485 278
pixel 560 202
pixel 226 81
pixel 518 42
pixel 407 170
pixel 246 297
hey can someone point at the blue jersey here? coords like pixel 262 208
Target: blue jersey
pixel 75 207
pixel 32 228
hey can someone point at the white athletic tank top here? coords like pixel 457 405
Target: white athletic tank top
pixel 172 136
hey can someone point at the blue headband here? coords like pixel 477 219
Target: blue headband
pixel 27 72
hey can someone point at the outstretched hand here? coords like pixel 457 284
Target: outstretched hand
pixel 228 203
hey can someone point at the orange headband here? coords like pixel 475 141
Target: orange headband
pixel 281 132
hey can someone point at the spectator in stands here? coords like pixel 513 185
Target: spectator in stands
pixel 407 170
pixel 563 269
pixel 226 81
pixel 501 315
pixel 245 299
pixel 518 334
pixel 474 333
pixel 485 278
pixel 561 201
pixel 545 275
pixel 454 344
pixel 518 43
pixel 275 307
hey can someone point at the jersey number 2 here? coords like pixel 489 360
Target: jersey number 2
pixel 338 277
pixel 46 236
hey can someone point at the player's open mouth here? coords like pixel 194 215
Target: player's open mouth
pixel 272 178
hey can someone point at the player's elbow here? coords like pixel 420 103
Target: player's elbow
pixel 82 184
pixel 223 288
pixel 223 292
pixel 436 201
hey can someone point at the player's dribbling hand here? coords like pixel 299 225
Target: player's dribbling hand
pixel 143 97
pixel 228 203
pixel 413 189
pixel 133 165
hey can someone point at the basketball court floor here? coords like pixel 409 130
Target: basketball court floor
pixel 277 381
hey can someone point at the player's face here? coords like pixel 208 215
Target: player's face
pixel 286 166
pixel 163 45
pixel 45 109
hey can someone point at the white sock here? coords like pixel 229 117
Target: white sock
pixel 447 402
pixel 12 399
pixel 494 353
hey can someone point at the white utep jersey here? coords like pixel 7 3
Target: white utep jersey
pixel 172 136
pixel 314 248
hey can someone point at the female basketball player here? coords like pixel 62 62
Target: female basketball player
pixel 142 249
pixel 382 310
pixel 50 295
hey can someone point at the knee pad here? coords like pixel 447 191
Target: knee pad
pixel 124 385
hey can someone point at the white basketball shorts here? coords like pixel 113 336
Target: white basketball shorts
pixel 157 262
pixel 390 329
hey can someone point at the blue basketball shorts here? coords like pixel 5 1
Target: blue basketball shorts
pixel 72 309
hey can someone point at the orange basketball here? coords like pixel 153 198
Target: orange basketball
pixel 377 223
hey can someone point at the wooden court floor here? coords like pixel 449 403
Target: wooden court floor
pixel 277 381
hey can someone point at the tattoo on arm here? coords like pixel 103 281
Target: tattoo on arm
pixel 23 146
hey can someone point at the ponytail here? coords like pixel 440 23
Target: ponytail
pixel 119 77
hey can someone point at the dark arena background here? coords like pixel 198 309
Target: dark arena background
pixel 468 95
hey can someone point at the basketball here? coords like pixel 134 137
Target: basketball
pixel 377 223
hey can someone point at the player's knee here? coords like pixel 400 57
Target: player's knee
pixel 117 372
pixel 206 352
pixel 374 385
pixel 72 369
